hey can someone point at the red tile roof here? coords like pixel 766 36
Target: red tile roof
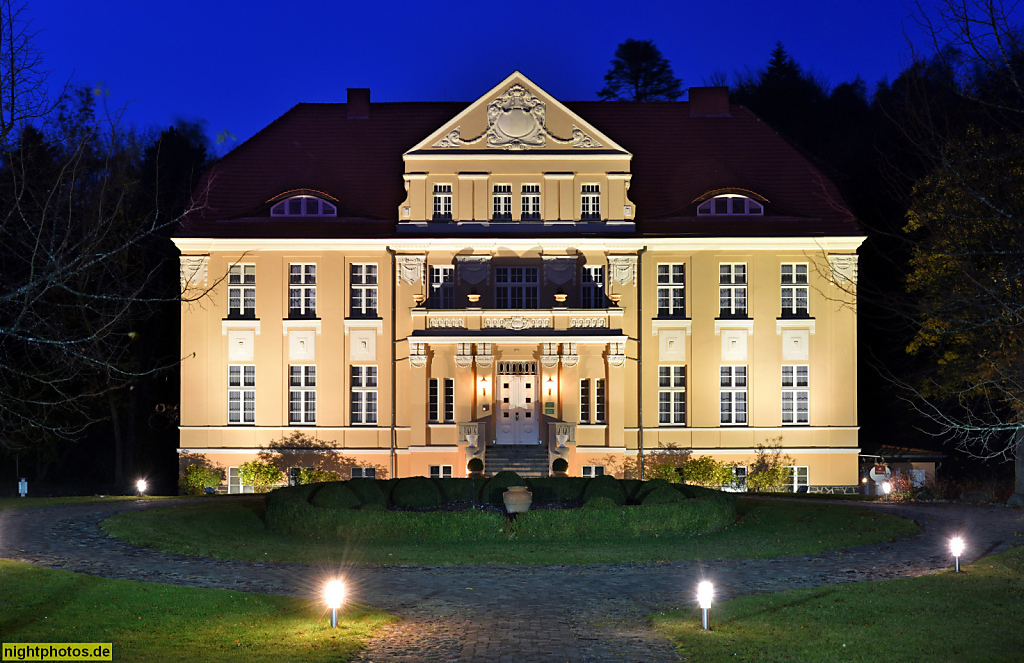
pixel 676 159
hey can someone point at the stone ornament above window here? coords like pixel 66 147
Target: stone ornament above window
pixel 560 269
pixel 473 269
pixel 622 268
pixel 516 121
pixel 192 270
pixel 411 269
pixel 844 268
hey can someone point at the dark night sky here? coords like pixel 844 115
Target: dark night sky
pixel 239 65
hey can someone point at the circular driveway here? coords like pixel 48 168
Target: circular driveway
pixel 590 613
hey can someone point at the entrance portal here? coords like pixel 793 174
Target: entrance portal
pixel 517 403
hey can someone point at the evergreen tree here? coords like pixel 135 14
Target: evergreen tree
pixel 639 72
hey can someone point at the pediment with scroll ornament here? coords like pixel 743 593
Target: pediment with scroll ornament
pixel 516 115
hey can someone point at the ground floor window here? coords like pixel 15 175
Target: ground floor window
pixel 295 475
pixel 734 395
pixel 235 484
pixel 440 471
pixel 302 394
pixel 364 394
pixel 591 471
pixel 798 479
pixel 241 394
pixel 795 395
pixel 672 395
pixel 364 473
pixel 739 478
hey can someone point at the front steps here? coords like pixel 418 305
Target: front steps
pixel 526 460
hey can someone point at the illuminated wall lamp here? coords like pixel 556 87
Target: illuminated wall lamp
pixel 550 384
pixel 483 387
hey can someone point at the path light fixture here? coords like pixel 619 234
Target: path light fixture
pixel 141 486
pixel 334 594
pixel 886 488
pixel 956 546
pixel 705 590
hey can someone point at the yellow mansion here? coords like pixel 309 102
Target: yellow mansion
pixel 401 287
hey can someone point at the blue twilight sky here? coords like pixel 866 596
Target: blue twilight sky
pixel 241 64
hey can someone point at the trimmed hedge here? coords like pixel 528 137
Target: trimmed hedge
pixel 664 495
pixel 605 486
pixel 335 495
pixel 492 491
pixel 416 493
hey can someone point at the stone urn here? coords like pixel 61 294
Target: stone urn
pixel 517 499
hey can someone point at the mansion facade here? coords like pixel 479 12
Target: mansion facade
pixel 395 289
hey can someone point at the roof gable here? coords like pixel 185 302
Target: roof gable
pixel 517 115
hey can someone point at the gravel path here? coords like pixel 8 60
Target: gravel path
pixel 593 614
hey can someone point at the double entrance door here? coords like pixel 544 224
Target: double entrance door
pixel 517 403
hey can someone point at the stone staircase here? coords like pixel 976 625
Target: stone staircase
pixel 527 460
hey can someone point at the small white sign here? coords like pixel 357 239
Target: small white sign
pixel 880 473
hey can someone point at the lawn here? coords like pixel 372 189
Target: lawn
pixel 235 530
pixel 29 502
pixel 957 617
pixel 151 622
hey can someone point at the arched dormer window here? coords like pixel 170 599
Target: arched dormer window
pixel 303 206
pixel 730 204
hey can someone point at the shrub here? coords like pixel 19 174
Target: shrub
pixel 309 475
pixel 368 491
pixel 416 493
pixel 475 465
pixel 663 495
pixel 647 487
pixel 455 490
pixel 557 488
pixel 560 465
pixel 258 474
pixel 600 503
pixel 631 487
pixel 770 469
pixel 605 486
pixel 492 491
pixel 335 496
pixel 706 471
pixel 197 478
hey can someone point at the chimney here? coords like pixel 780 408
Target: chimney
pixel 709 102
pixel 358 106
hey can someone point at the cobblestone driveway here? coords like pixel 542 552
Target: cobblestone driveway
pixel 592 614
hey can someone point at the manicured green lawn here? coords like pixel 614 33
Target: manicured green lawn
pixel 28 502
pixel 766 528
pixel 151 622
pixel 956 617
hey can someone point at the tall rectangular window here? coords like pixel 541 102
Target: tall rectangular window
pixel 732 290
pixel 592 287
pixel 672 395
pixel 363 288
pixel 241 394
pixel 531 202
pixel 442 286
pixel 585 396
pixel 590 202
pixel 364 395
pixel 795 396
pixel 441 401
pixel 501 199
pixel 733 391
pixel 515 287
pixel 794 290
pixel 301 394
pixel 600 402
pixel 672 290
pixel 301 291
pixel 442 202
pixel 798 478
pixel 242 291
pixel 235 484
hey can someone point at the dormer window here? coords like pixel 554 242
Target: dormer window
pixel 303 206
pixel 732 205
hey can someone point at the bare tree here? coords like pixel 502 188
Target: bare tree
pixel 23 79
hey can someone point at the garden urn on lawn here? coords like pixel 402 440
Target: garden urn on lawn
pixel 517 499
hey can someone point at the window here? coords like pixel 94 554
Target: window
pixel 795 396
pixel 440 471
pixel 441 401
pixel 591 471
pixel 730 204
pixel 515 287
pixel 242 291
pixel 301 291
pixel 241 394
pixel 364 473
pixel 303 206
pixel 739 478
pixel 364 395
pixel 295 475
pixel 364 291
pixel 585 397
pixel 442 286
pixel 672 395
pixel 442 202
pixel 592 287
pixel 590 202
pixel 732 290
pixel 301 394
pixel 531 202
pixel 235 484
pixel 501 197
pixel 798 479
pixel 593 401
pixel 734 395
pixel 794 290
pixel 600 402
pixel 671 290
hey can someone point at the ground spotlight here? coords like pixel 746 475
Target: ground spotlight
pixel 141 485
pixel 334 594
pixel 705 591
pixel 956 546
